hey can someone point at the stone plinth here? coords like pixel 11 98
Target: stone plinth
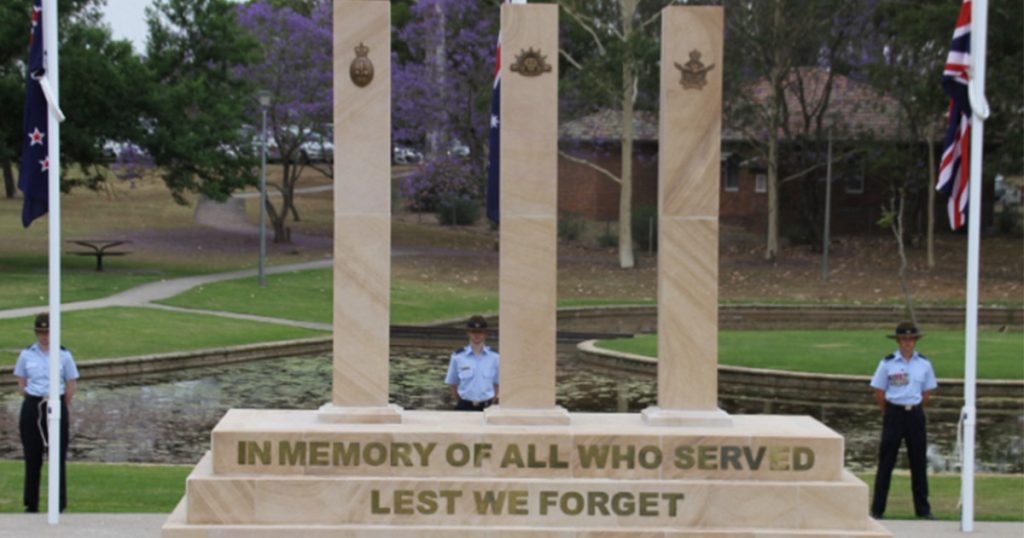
pixel 290 473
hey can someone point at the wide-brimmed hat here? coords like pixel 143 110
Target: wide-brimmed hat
pixel 906 329
pixel 476 323
pixel 42 323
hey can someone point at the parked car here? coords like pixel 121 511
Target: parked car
pixel 317 148
pixel 458 149
pixel 405 155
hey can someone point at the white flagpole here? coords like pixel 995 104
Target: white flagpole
pixel 53 155
pixel 979 111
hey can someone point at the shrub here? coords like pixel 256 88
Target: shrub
pixel 570 226
pixel 458 210
pixel 608 239
pixel 645 227
pixel 438 178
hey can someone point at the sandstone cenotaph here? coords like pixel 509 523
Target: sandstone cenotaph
pixel 359 467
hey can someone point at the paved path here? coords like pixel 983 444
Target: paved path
pixel 144 295
pixel 148 525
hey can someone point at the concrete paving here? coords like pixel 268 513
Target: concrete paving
pixel 148 525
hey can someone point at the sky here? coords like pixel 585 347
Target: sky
pixel 127 20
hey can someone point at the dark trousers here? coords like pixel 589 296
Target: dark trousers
pixel 467 405
pixel 33 419
pixel 899 424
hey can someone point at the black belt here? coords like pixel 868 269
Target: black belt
pixel 478 403
pixel 900 407
pixel 32 398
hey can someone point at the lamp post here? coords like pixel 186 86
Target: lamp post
pixel 264 99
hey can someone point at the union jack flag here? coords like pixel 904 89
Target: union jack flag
pixel 494 143
pixel 35 164
pixel 954 171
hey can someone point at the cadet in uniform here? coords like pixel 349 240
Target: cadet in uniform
pixel 33 373
pixel 473 370
pixel 902 383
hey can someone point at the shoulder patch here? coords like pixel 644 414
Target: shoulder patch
pixel 889 357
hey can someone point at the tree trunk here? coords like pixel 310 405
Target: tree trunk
pixel 771 250
pixel 628 9
pixel 897 230
pixel 8 180
pixel 772 246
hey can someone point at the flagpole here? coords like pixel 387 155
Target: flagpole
pixel 979 111
pixel 53 156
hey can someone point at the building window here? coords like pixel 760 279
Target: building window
pixel 761 183
pixel 730 175
pixel 855 177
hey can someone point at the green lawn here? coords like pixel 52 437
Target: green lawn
pixel 126 332
pixel 25 283
pixel 98 487
pixel 1000 355
pixel 307 296
pixel 996 497
pixel 101 487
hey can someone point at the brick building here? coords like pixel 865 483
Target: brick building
pixel 856 112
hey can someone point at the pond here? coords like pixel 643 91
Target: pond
pixel 167 418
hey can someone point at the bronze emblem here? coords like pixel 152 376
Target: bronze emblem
pixel 694 74
pixel 531 63
pixel 361 70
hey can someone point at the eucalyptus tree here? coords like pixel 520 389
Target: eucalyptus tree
pixel 610 55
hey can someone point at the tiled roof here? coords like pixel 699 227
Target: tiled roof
pixel 855 109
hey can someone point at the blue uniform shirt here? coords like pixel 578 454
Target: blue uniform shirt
pixel 34 365
pixel 903 381
pixel 475 375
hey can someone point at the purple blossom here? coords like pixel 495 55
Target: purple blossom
pixel 443 93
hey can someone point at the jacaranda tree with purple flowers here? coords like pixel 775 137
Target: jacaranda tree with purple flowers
pixel 442 95
pixel 296 69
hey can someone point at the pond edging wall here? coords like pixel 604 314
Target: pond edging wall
pixel 827 390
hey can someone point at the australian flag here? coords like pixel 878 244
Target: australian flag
pixel 35 164
pixel 494 144
pixel 954 171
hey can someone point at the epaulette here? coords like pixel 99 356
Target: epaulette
pixel 458 350
pixel 923 357
pixel 889 357
pixel 62 348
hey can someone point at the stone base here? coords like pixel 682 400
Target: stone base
pixel 288 473
pixel 337 414
pixel 500 416
pixel 656 416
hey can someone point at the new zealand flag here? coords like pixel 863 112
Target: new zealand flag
pixel 35 164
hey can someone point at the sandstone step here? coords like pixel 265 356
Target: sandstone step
pixel 443 444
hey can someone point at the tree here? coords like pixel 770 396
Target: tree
pixel 195 103
pixel 908 67
pixel 442 82
pixel 296 68
pixel 612 52
pixel 95 70
pixel 767 41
